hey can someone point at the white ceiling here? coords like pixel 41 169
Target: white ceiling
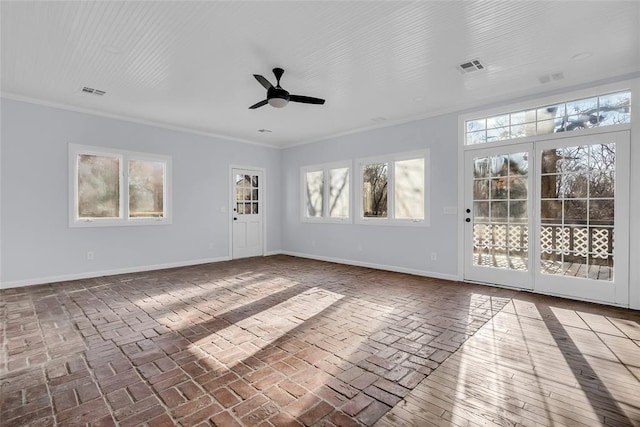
pixel 189 65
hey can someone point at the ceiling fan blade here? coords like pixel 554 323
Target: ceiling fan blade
pixel 258 104
pixel 264 82
pixel 306 99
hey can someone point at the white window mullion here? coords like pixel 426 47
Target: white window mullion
pixel 391 191
pixel 325 191
pixel 124 188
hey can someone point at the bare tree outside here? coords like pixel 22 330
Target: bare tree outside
pixel 339 193
pixel 375 190
pixel 315 193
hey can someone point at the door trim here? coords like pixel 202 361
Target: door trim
pixel 231 201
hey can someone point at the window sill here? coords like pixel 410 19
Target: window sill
pixel 89 223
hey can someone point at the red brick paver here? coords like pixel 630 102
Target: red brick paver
pixel 273 341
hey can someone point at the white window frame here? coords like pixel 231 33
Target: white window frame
pixel 325 168
pixel 124 157
pixel 390 159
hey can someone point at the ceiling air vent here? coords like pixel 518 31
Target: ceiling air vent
pixel 470 66
pixel 93 91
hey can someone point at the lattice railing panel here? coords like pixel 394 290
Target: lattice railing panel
pixel 600 243
pixel 581 241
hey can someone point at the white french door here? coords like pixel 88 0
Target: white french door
pixel 551 216
pixel 498 216
pixel 582 225
pixel 247 205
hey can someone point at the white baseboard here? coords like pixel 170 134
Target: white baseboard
pixel 139 269
pixel 270 253
pixel 393 268
pixel 92 274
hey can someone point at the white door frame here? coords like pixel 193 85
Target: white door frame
pixel 231 199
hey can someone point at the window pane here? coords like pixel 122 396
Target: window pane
pixel 374 190
pixel 582 106
pixel 498 134
pixel 481 189
pixel 476 125
pixel 476 137
pixel 522 117
pixel 409 189
pixel 339 193
pixel 314 189
pixel 98 186
pixel 498 121
pixel 615 108
pixel 146 189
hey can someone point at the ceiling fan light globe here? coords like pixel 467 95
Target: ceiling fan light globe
pixel 278 102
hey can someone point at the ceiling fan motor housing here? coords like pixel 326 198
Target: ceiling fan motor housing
pixel 277 97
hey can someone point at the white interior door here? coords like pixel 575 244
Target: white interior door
pixel 247 230
pixel 498 216
pixel 583 206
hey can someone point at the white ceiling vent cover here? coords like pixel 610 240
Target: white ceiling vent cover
pixel 90 90
pixel 470 66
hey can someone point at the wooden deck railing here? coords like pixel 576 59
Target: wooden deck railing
pixel 576 243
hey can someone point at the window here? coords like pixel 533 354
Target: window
pixel 115 187
pixel 393 189
pixel 326 192
pixel 597 111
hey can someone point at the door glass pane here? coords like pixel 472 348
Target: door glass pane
pixel 246 192
pixel 500 216
pixel 578 198
pixel 98 186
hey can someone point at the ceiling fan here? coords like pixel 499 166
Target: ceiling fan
pixel 278 97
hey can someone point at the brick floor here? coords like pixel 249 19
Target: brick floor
pixel 273 341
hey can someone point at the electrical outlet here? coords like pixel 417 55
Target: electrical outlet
pixel 90 255
pixel 434 256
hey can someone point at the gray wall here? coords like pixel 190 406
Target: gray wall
pixel 401 248
pixel 38 245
